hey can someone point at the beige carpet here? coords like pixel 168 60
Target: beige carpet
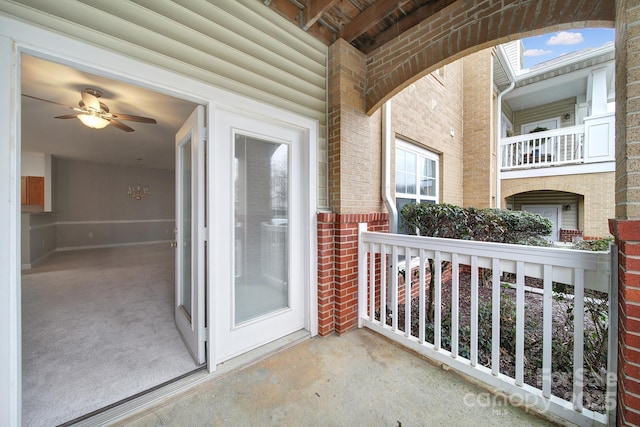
pixel 97 327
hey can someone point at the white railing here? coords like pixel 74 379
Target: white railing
pixel 381 298
pixel 549 148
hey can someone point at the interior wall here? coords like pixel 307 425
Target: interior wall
pixel 93 208
pixel 39 237
pixel 32 164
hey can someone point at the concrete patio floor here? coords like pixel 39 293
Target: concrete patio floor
pixel 358 379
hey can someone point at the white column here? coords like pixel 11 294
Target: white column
pixel 599 91
pixel 599 143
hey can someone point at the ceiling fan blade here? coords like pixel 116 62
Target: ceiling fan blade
pixel 120 125
pixel 49 101
pixel 90 101
pixel 68 116
pixel 132 118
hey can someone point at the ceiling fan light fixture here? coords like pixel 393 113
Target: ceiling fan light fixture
pixel 93 121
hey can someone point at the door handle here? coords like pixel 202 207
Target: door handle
pixel 174 244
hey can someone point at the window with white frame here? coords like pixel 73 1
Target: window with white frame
pixel 417 177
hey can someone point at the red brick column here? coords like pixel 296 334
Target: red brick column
pixel 338 268
pixel 627 235
pixel 326 273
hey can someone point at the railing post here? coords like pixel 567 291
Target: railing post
pixel 362 275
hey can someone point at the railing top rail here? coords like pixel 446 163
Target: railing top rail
pixel 541 135
pixel 588 260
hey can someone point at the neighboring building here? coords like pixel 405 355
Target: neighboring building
pixel 446 148
pixel 557 146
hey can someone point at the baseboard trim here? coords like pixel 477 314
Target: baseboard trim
pixel 111 245
pixel 35 263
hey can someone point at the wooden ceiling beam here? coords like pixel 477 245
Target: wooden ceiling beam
pixel 414 18
pixel 285 8
pixel 291 12
pixel 314 11
pixel 368 18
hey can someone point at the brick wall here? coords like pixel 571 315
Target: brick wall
pixel 627 234
pixel 424 113
pixel 354 137
pixel 568 236
pixel 479 134
pixel 338 268
pixel 456 31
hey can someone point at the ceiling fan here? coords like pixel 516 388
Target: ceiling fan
pixel 95 114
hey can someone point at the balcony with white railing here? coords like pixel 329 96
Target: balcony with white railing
pixel 549 148
pixel 496 316
pixel 588 143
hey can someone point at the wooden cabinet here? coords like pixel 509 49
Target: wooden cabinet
pixel 33 190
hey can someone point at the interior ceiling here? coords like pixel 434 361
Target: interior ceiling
pixel 366 24
pixel 41 132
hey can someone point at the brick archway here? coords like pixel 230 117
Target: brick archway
pixel 459 30
pixel 574 189
pixel 359 84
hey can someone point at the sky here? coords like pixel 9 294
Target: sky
pixel 549 46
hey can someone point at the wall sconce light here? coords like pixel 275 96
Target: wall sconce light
pixel 567 116
pixel 567 207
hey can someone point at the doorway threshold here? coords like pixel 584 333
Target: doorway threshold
pixel 145 402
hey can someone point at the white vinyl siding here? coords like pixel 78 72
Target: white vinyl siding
pixel 569 201
pixel 546 112
pixel 238 45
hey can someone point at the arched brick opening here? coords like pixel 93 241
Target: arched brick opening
pixel 575 189
pixel 575 218
pixel 457 31
pixel 596 189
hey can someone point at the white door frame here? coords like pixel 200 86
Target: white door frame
pixel 556 120
pixel 17 37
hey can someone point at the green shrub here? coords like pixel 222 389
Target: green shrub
pixel 593 245
pixel 487 225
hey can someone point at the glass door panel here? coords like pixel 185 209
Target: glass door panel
pixel 262 228
pixel 185 218
pixel 190 213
